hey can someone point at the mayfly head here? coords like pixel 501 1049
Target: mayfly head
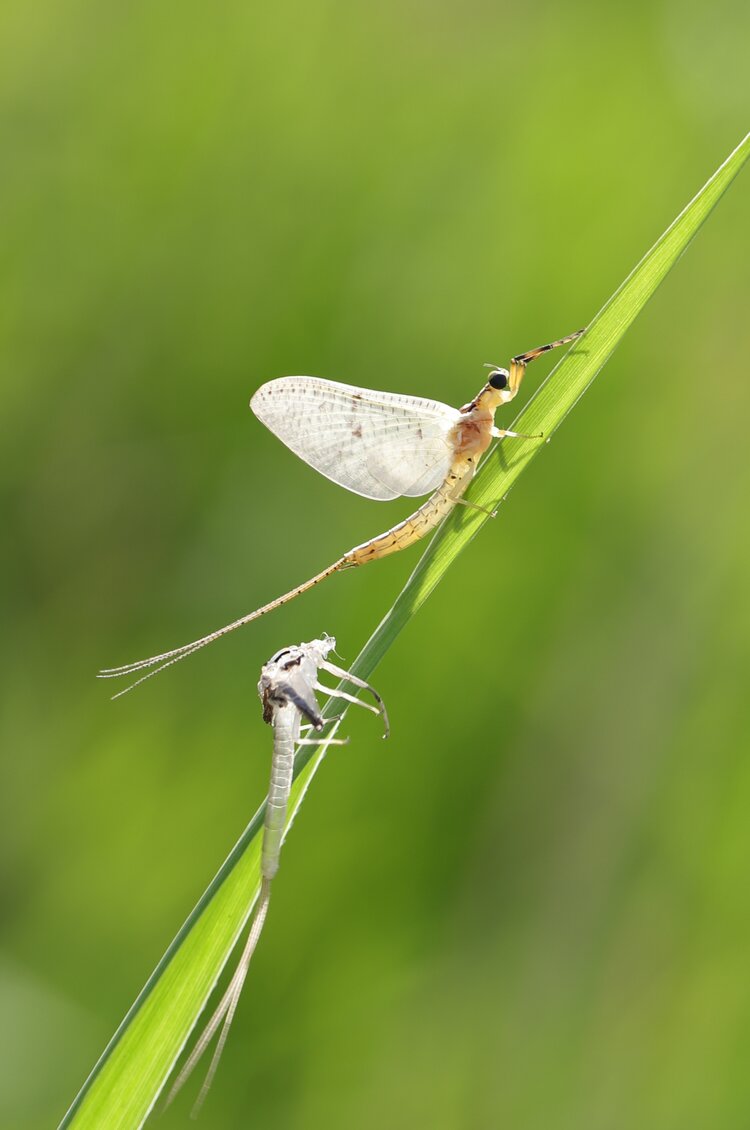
pixel 503 384
pixel 499 380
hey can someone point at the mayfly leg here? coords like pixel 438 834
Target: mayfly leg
pixel 340 673
pixel 287 690
pixel 532 354
pixel 520 361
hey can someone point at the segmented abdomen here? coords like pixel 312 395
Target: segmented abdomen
pixel 429 515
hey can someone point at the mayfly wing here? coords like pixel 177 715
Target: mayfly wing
pixel 377 444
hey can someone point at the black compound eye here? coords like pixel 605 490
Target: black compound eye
pixel 499 379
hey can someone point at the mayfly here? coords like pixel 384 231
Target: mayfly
pixel 287 687
pixel 377 444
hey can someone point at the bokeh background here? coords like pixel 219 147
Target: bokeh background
pixel 531 908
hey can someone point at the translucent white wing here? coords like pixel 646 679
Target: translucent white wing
pixel 377 444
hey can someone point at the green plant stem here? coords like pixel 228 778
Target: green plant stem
pixel 127 1080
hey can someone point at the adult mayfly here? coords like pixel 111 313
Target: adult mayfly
pixel 377 444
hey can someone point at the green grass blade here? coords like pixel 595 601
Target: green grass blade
pixel 126 1082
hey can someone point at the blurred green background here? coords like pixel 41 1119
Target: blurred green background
pixel 531 907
